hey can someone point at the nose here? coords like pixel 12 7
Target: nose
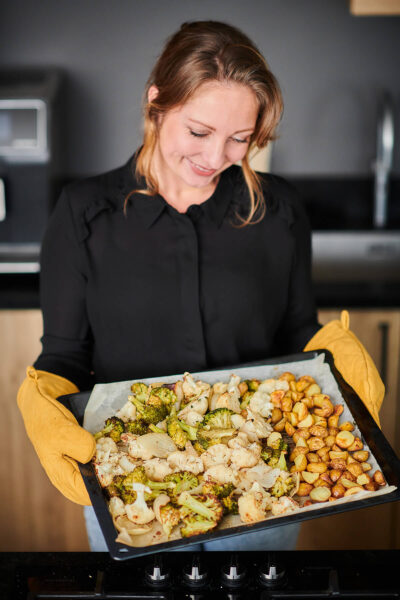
pixel 216 154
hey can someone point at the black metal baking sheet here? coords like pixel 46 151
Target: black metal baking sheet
pixel 371 434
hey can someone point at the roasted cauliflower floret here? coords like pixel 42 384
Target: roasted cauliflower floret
pixel 255 426
pixel 216 454
pixel 185 461
pixel 138 512
pixel 221 474
pixel 157 468
pixel 245 457
pixel 283 505
pixel 127 412
pixel 253 505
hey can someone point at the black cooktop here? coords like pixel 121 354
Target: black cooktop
pixel 193 576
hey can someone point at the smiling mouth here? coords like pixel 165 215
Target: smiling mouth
pixel 201 170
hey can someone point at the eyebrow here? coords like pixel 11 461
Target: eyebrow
pixel 213 128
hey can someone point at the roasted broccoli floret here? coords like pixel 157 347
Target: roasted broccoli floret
pixel 230 505
pixel 113 429
pixel 138 475
pixel 220 418
pixel 215 426
pixel 179 482
pixel 196 525
pixel 138 427
pixel 150 413
pixel 220 490
pixel 283 486
pixel 170 517
pixel 252 384
pixel 274 458
pixel 162 395
pixel 205 505
pixel 280 445
pixel 140 390
pixel 179 431
pixel 176 432
pixel 247 396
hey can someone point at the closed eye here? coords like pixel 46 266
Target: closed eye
pixel 196 134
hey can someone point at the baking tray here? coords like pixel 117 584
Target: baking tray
pixel 370 432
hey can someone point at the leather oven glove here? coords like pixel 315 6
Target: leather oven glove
pixel 54 432
pixel 352 361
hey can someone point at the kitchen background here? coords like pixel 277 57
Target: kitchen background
pixel 333 68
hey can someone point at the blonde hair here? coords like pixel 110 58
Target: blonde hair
pixel 204 51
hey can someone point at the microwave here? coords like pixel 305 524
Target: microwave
pixel 30 162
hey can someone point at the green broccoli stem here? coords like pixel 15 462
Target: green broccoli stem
pixel 189 430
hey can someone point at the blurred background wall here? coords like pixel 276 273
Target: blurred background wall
pixel 331 65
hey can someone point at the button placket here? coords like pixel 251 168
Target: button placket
pixel 188 261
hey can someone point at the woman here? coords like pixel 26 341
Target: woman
pixel 178 260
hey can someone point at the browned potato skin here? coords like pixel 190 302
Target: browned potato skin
pixel 322 483
pixel 280 425
pixel 276 415
pixel 333 431
pixel 323 453
pixel 298 450
pixel 338 465
pixel 335 474
pixel 325 477
pixel 286 404
pixel 330 440
pixel 287 376
pixel 348 475
pixel 363 479
pixel 243 387
pixel 304 489
pixel 333 421
pixel 317 467
pixel 356 445
pixel 341 455
pixel 290 430
pixel 320 494
pixel 345 439
pixel 312 457
pixel 308 401
pixel 366 466
pixel 338 409
pixel 379 478
pixel 372 486
pixel 319 431
pixel 346 426
pixel 355 468
pixel 301 433
pixel 315 443
pixel 353 490
pixel 361 455
pixel 338 490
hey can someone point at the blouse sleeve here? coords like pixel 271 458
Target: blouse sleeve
pixel 300 321
pixel 67 340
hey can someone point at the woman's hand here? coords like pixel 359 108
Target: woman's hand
pixel 54 432
pixel 352 360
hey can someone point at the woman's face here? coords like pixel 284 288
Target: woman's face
pixel 206 135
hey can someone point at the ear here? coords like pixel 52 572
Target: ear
pixel 152 93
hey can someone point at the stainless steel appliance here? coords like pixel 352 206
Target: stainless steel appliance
pixel 30 146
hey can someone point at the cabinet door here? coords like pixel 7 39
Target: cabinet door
pixel 34 516
pixel 375 527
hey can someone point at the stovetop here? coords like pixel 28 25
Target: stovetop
pixel 193 576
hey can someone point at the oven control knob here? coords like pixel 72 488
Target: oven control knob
pixel 272 574
pixel 156 573
pixel 233 574
pixel 194 573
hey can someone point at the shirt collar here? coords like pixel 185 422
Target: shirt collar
pixel 149 208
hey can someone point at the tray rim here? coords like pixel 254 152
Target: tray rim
pixel 379 446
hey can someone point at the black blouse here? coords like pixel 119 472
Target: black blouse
pixel 156 292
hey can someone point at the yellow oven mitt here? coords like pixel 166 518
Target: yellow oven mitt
pixel 352 360
pixel 54 432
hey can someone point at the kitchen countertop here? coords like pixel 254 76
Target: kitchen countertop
pixel 22 292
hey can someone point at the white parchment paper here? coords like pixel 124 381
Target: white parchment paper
pixel 107 398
